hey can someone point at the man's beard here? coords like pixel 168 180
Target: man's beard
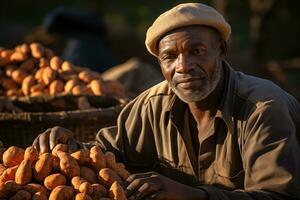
pixel 197 95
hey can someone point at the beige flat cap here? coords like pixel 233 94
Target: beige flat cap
pixel 186 14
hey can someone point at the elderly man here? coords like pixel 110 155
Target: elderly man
pixel 207 132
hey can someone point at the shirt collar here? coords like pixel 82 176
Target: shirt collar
pixel 225 112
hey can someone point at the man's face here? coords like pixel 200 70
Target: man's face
pixel 190 60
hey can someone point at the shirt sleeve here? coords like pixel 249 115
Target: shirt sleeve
pixel 271 156
pixel 132 140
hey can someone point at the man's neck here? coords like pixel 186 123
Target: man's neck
pixel 203 111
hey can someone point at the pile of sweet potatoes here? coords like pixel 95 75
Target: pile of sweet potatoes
pixel 34 70
pixel 60 175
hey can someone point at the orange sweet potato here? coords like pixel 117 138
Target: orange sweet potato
pixel 21 195
pixel 31 154
pixel 39 196
pixel 83 196
pixel 27 83
pixel 68 165
pixel 37 50
pixel 18 56
pixel 99 191
pixel 88 174
pixel 76 181
pixel 122 172
pixel 2 169
pixel 18 75
pixel 27 65
pixel 35 187
pixel 55 63
pixel 61 192
pixel 110 160
pixel 67 66
pixel 70 84
pixel 9 188
pixel 82 156
pixel 13 156
pixel 43 62
pixel 96 87
pixel 54 180
pixel 48 75
pixel 108 176
pixel 9 174
pixel 86 187
pixel 59 147
pixel 2 150
pixel 42 167
pixel 24 172
pixel 57 86
pixel 97 158
pixel 116 192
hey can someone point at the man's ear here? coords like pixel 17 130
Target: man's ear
pixel 223 48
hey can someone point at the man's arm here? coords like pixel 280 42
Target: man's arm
pixel 271 156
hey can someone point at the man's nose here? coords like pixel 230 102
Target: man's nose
pixel 183 64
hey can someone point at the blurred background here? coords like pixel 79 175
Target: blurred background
pixel 105 34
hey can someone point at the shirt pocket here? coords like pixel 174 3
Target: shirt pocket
pixel 228 176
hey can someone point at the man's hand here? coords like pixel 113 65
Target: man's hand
pixel 152 185
pixel 47 140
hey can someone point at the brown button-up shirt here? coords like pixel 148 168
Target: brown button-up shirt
pixel 250 152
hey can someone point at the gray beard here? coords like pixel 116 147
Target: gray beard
pixel 198 95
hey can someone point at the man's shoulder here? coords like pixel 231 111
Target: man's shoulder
pixel 257 90
pixel 158 91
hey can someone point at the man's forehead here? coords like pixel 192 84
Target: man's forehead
pixel 196 33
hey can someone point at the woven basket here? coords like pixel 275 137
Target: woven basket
pixel 20 129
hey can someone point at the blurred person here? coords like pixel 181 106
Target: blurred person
pixel 86 37
pixel 207 131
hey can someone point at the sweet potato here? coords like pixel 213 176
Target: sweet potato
pixel 87 76
pixel 42 167
pixel 68 165
pixel 96 87
pixel 37 50
pixel 39 75
pixel 88 174
pixel 35 187
pixel 24 48
pixel 9 188
pixel 79 90
pixel 27 83
pixel 24 172
pixel 9 69
pixel 122 172
pixel 21 195
pixel 37 88
pixel 59 147
pixel 76 181
pixel 61 192
pixel 116 192
pixel 83 196
pixel 108 176
pixel 110 160
pixel 55 63
pixel 18 75
pixel 43 62
pixel 82 156
pixel 18 56
pixel 48 75
pixel 67 66
pixel 57 86
pixel 9 174
pixel 27 65
pixel 31 154
pixel 13 156
pixel 99 191
pixel 97 159
pixel 86 187
pixel 39 196
pixel 70 84
pixel 54 180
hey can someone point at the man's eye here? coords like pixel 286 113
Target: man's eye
pixel 198 51
pixel 168 57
